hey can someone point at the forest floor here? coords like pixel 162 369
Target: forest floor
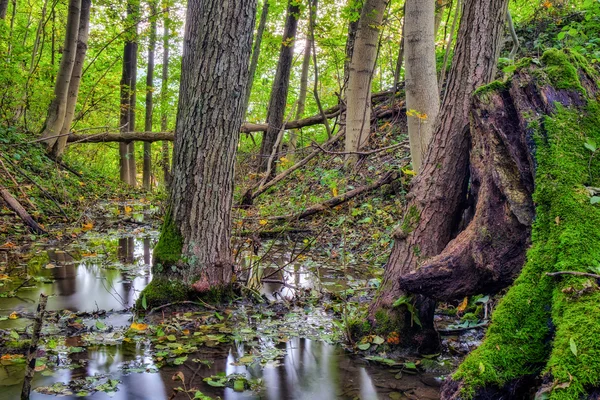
pixel 286 339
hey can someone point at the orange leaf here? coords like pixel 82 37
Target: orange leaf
pixel 87 227
pixel 139 326
pixel 463 306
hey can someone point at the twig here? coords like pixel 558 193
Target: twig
pixel 31 354
pixel 575 273
pixel 198 303
pixel 360 153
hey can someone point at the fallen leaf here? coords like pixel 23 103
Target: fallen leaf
pixel 263 222
pixel 137 326
pixel 463 306
pixel 87 227
pixel 13 315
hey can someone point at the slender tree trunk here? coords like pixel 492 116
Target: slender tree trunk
pixel 303 86
pixel 438 196
pixel 356 7
pixel 82 38
pixel 216 52
pixel 279 92
pixel 513 35
pixel 58 106
pixel 3 8
pixel 128 98
pixel 358 118
pixel 147 172
pixel 400 59
pixel 256 52
pixel 455 19
pixel 164 97
pixel 440 7
pixel 422 97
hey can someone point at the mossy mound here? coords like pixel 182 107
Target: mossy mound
pixel 547 326
pixel 168 250
pixel 161 291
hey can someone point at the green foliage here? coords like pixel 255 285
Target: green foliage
pixel 169 247
pixel 162 291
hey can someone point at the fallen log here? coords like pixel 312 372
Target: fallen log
pixel 336 201
pixel 33 347
pixel 14 205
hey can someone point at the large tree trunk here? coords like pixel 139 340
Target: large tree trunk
pixel 147 170
pixel 279 92
pixel 422 98
pixel 437 199
pixel 358 116
pixel 214 79
pixel 82 39
pixel 544 331
pixel 128 98
pixel 58 106
pixel 164 97
pixel 256 52
pixel 303 85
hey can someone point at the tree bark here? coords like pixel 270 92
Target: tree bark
pixel 3 8
pixel 21 212
pixel 422 98
pixel 303 84
pixel 58 106
pixel 256 51
pixel 279 92
pixel 164 90
pixel 214 78
pixel 76 74
pixel 128 97
pixel 438 196
pixel 358 115
pixel 147 170
pixel 355 8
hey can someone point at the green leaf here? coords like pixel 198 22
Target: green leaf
pixel 100 325
pixel 14 335
pixel 364 346
pixel 573 347
pixel 144 303
pixel 378 340
pixel 590 144
pixel 595 200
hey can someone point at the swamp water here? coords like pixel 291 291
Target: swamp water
pixel 250 355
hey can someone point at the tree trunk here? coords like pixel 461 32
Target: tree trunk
pixel 3 8
pixel 358 115
pixel 422 98
pixel 82 39
pixel 256 51
pixel 128 98
pixel 438 196
pixel 214 78
pixel 147 171
pixel 355 8
pixel 544 331
pixel 440 7
pixel 58 106
pixel 279 92
pixel 164 91
pixel 303 86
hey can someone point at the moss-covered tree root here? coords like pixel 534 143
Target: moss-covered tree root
pixel 545 333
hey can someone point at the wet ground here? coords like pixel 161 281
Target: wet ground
pixel 94 346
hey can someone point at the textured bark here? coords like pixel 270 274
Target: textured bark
pixel 256 51
pixel 82 39
pixel 147 170
pixel 438 197
pixel 21 212
pixel 214 79
pixel 422 98
pixel 3 8
pixel 128 98
pixel 58 106
pixel 279 92
pixel 489 253
pixel 164 88
pixel 358 115
pixel 356 7
pixel 303 85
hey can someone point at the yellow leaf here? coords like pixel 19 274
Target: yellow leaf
pixel 408 171
pixel 137 326
pixel 14 315
pixel 4 277
pixel 463 306
pixel 89 254
pixel 334 191
pixel 87 227
pixel 128 209
pixel 263 222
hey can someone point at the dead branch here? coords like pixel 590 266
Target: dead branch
pixel 33 347
pixel 21 212
pixel 575 273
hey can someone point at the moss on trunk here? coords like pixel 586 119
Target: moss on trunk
pixel 168 250
pixel 548 326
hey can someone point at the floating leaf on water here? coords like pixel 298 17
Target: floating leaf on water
pixel 138 326
pixel 239 385
pixel 100 325
pixel 13 315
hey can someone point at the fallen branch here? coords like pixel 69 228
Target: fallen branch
pixel 335 201
pixel 202 304
pixel 21 212
pixel 575 273
pixel 33 347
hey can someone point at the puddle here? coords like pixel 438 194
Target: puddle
pixel 101 274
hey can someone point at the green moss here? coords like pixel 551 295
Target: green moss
pixel 561 69
pixel 565 237
pixel 161 291
pixel 489 88
pixel 170 244
pixel 411 220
